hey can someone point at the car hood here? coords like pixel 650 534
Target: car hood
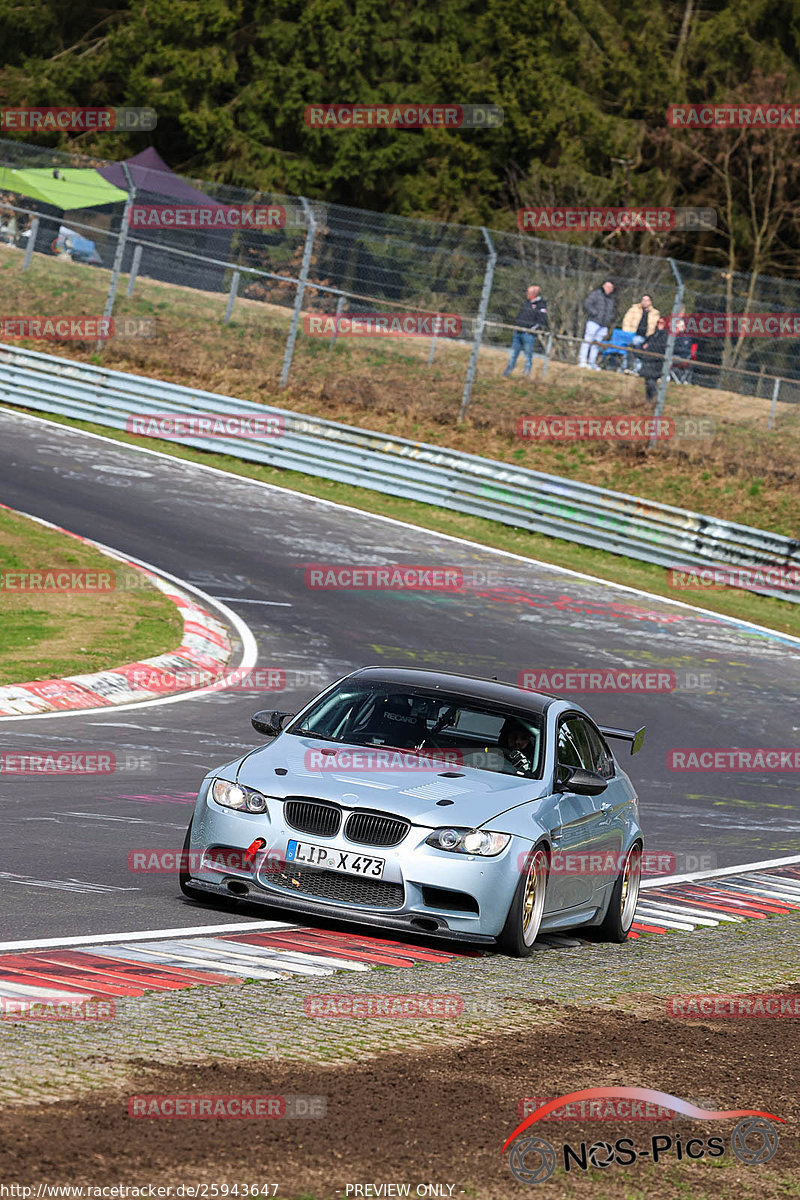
pixel 476 795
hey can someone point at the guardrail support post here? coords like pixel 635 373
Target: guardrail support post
pixel 31 243
pixel 480 321
pixel 122 238
pixel 669 352
pixel 301 287
pixel 137 258
pixel 231 298
pixel 774 404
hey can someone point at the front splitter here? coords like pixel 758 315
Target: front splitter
pixel 376 920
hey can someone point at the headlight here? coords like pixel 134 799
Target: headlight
pixel 469 841
pixel 231 795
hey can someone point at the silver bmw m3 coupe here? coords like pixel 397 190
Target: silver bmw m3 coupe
pixel 427 803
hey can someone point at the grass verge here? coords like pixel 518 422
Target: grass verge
pixel 49 634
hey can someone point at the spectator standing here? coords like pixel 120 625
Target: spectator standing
pixel 641 320
pixel 600 308
pixel 530 318
pixel 653 358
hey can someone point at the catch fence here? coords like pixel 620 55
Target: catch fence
pixel 328 258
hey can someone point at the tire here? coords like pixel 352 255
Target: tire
pixel 525 913
pixel 621 909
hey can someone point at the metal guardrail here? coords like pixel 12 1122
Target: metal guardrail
pixel 481 487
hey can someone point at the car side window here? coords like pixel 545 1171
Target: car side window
pixel 601 755
pixel 580 745
pixel 569 754
pixel 577 730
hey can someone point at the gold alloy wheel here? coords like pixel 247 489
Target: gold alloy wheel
pixel 533 898
pixel 631 879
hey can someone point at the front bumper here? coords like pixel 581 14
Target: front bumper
pixel 418 877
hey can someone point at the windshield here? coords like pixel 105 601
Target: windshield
pixel 435 724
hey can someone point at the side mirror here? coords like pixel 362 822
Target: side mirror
pixel 270 723
pixel 576 779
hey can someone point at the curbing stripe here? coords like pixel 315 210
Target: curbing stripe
pixel 128 965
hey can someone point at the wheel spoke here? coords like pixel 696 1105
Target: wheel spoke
pixel 533 898
pixel 629 892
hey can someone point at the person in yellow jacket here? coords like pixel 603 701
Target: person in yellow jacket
pixel 641 320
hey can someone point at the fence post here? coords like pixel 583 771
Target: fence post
pixel 231 298
pixel 548 350
pixel 137 258
pixel 773 406
pixel 301 287
pixel 120 251
pixel 480 321
pixel 437 324
pixel 34 231
pixel 335 334
pixel 669 352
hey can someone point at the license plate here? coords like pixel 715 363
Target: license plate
pixel 335 860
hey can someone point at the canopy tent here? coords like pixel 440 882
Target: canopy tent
pixel 156 183
pixel 66 189
pixel 151 174
pixel 53 192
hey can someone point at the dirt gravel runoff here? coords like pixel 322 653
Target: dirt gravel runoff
pixel 423 1118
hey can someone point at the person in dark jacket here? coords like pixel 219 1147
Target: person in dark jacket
pixel 599 307
pixel 653 358
pixel 531 317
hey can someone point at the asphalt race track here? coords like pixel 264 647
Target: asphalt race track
pixel 65 845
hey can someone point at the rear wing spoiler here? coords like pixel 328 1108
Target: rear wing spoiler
pixel 634 736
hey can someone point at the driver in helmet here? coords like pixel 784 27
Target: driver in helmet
pixel 518 749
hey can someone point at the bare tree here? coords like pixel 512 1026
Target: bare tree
pixel 751 177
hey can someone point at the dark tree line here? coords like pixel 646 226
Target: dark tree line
pixel 584 85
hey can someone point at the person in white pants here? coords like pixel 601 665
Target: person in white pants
pixel 599 307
